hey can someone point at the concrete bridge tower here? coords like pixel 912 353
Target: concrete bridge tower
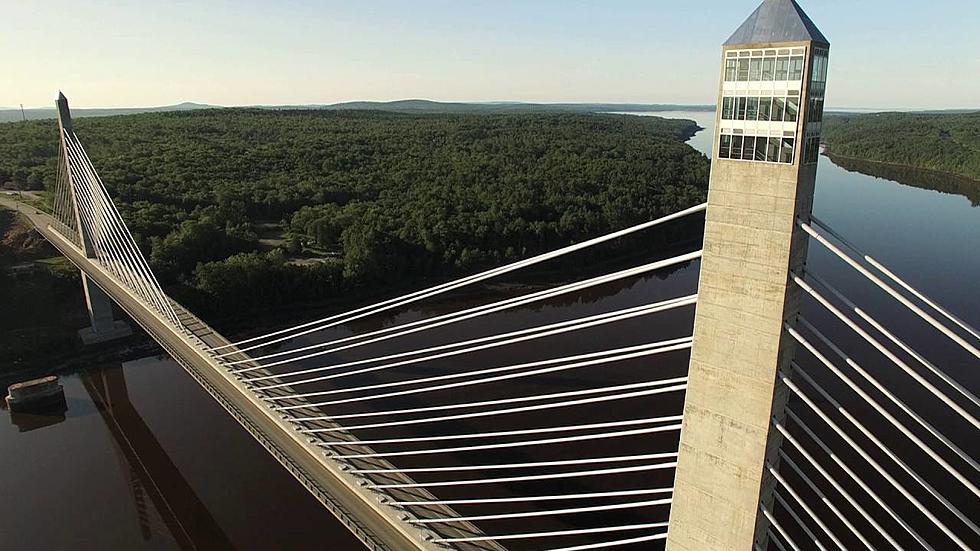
pixel 766 144
pixel 104 327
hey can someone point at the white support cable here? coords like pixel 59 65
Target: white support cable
pixel 806 508
pixel 139 261
pixel 558 533
pixel 523 409
pixel 133 267
pixel 594 358
pixel 891 275
pixel 512 337
pixel 456 317
pixel 541 442
pixel 140 266
pixel 891 291
pixel 519 432
pixel 885 351
pixel 529 499
pixel 108 249
pixel 775 540
pixel 532 465
pixel 501 401
pixel 663 305
pixel 881 410
pixel 538 477
pixel 789 509
pixel 895 340
pixel 775 523
pixel 616 543
pixel 887 451
pixel 545 513
pixel 99 236
pixel 101 229
pixel 858 479
pixel 833 482
pixel 345 317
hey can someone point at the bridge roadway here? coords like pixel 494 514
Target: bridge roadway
pixel 378 525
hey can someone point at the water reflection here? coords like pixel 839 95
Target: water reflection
pixel 39 418
pixel 152 472
pixel 143 458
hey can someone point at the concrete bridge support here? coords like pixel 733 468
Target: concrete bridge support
pixel 104 325
pixel 762 180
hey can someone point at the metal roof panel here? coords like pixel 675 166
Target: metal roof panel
pixel 777 21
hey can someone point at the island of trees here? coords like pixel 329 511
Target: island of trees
pixel 239 208
pixel 944 142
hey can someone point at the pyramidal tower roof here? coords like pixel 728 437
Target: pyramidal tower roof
pixel 777 21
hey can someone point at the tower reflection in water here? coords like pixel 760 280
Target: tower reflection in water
pixel 154 480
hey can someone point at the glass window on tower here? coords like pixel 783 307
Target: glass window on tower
pixel 736 147
pixel 772 154
pixel 782 68
pixel 731 68
pixel 740 108
pixel 768 66
pixel 728 108
pixel 792 108
pixel 725 147
pixel 778 106
pixel 748 148
pixel 752 110
pixel 743 70
pixel 796 68
pixel 765 108
pixel 760 148
pixel 786 152
pixel 755 70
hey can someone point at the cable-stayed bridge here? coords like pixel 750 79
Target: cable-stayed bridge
pixel 732 422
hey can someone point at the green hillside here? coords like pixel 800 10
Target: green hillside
pixel 946 142
pixel 349 199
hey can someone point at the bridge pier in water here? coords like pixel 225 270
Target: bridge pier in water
pixel 762 180
pixel 104 325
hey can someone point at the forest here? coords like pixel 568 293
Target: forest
pixel 945 142
pixel 242 208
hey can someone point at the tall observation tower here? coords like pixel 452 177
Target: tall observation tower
pixel 767 133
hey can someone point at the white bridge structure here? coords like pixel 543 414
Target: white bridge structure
pixel 771 434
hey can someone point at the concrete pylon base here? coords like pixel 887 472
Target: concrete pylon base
pixel 119 330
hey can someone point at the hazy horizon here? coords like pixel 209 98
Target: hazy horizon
pixel 885 55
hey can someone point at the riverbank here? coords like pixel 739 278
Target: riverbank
pixel 43 309
pixel 909 175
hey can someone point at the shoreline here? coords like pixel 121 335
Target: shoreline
pixel 828 151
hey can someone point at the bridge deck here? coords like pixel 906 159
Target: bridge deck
pixel 364 512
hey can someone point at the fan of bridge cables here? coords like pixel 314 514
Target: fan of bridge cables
pixel 879 443
pixel 85 215
pixel 546 415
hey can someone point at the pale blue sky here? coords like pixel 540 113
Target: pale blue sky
pixel 885 53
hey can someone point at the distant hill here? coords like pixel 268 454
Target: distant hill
pixel 427 106
pixel 14 114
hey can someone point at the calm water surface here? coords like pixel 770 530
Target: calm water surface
pixel 143 458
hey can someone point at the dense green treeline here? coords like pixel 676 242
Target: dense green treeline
pixel 947 142
pixel 362 197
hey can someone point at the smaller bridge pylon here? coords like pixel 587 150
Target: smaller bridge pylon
pixel 104 325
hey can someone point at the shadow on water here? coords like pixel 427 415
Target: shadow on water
pixel 139 457
pixel 153 473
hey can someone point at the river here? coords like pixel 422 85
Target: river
pixel 164 467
